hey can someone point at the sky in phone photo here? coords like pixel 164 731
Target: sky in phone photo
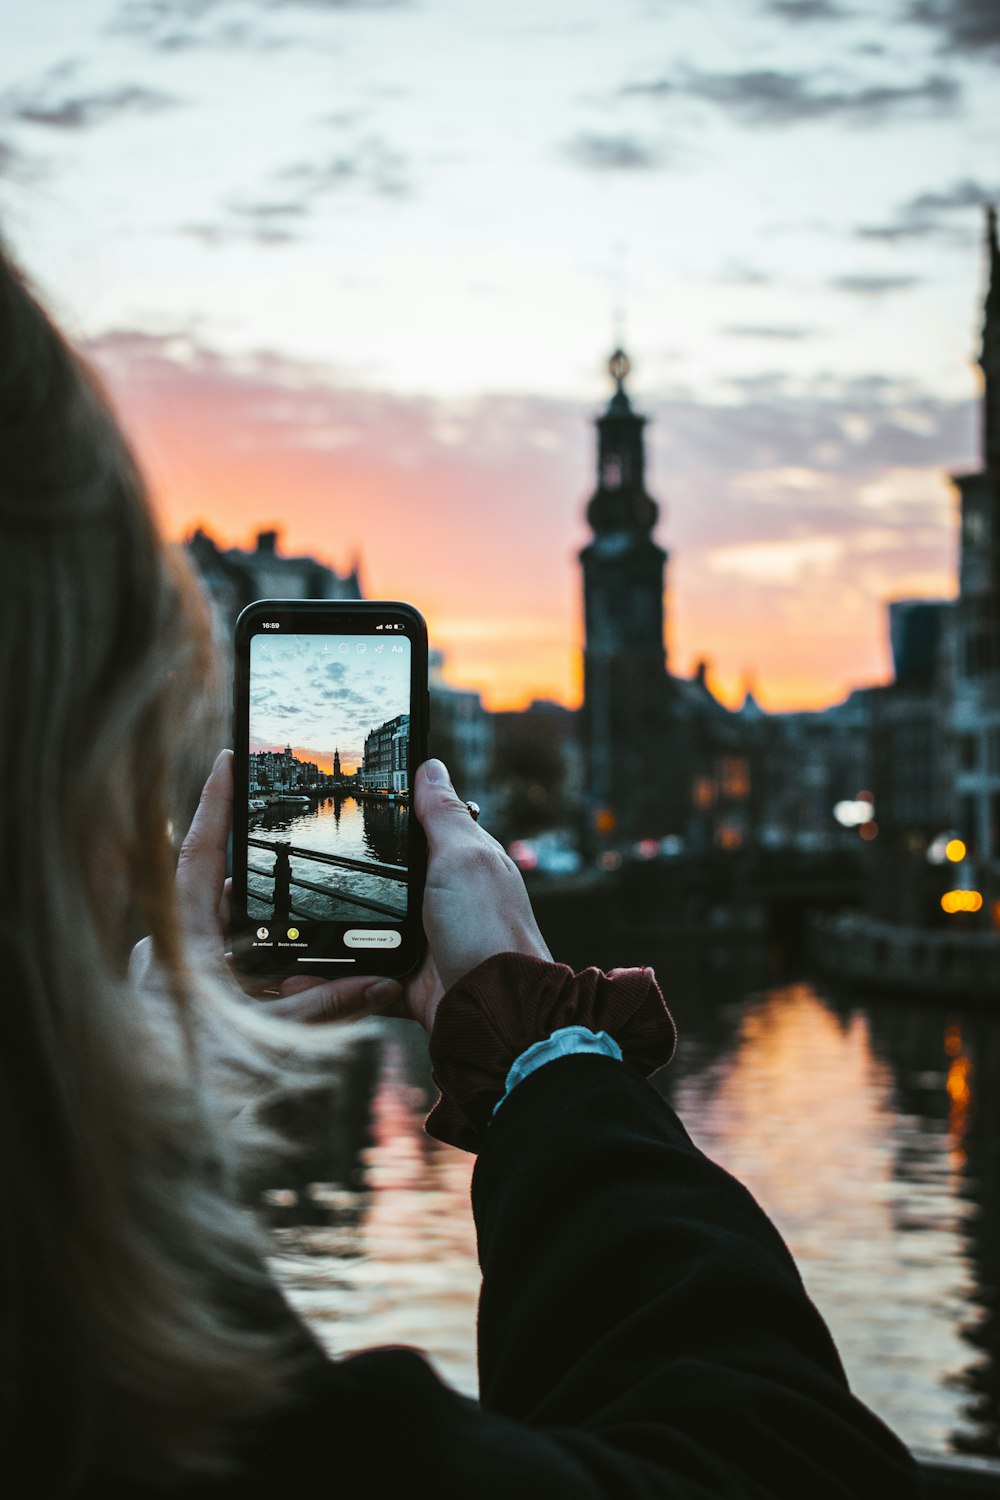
pixel 353 269
pixel 320 694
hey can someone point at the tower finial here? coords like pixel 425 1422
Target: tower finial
pixel 619 366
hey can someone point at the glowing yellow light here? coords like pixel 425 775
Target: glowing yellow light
pixel 953 901
pixel 955 850
pixel 605 820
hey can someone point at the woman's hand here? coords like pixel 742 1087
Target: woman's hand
pixel 475 903
pixel 475 906
pixel 203 895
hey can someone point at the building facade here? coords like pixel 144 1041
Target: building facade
pixel 387 748
pixel 976 712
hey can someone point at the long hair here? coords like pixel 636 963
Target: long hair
pixel 135 1308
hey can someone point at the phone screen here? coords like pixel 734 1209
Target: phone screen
pixel 331 725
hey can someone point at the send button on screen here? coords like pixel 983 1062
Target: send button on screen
pixel 371 937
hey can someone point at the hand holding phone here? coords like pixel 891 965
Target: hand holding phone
pixel 475 906
pixel 330 708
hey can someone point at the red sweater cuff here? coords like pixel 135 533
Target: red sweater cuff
pixel 511 1000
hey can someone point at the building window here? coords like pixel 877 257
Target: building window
pixel 993 750
pixel 967 757
pixel 735 778
pixel 969 823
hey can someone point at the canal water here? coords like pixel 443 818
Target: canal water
pixel 360 828
pixel 869 1131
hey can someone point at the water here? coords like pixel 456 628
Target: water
pixel 366 829
pixel 869 1132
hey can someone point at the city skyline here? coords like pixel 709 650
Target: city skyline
pixel 341 276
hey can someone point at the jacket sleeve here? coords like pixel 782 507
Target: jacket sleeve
pixel 640 1310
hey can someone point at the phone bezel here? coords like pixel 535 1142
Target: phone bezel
pixel 345 617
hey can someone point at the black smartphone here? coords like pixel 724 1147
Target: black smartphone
pixel 331 719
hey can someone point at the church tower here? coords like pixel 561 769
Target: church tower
pixel 336 765
pixel 624 661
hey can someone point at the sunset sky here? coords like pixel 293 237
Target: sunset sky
pixel 353 268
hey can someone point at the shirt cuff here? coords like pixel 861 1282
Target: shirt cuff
pixel 511 1001
pixel 562 1043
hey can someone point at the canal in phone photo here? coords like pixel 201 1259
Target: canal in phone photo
pixel 368 830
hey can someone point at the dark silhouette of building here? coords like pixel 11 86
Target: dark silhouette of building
pixel 336 765
pixel 233 578
pixel 624 660
pixel 976 719
pixel 662 757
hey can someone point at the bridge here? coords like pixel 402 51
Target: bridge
pixel 283 878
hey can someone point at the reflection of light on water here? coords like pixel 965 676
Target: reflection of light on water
pixel 958 1084
pixel 398 1265
pixel 865 1195
pixel 860 1178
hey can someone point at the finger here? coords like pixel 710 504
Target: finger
pixel 335 1000
pixel 443 815
pixel 201 867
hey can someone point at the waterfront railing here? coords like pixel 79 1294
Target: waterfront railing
pixel 284 879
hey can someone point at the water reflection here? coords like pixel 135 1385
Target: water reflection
pixel 360 828
pixel 393 1259
pixel 870 1133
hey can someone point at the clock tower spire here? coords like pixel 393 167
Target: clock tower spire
pixel 624 660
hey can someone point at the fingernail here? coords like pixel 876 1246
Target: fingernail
pixel 382 991
pixel 437 772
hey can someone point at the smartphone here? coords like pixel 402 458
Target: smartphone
pixel 331 719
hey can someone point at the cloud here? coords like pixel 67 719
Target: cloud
pixel 188 25
pixel 289 196
pixel 871 284
pixel 368 162
pixel 768 331
pixel 743 273
pixel 930 214
pixel 768 97
pixel 80 111
pixel 969 26
pixel 613 153
pixel 808 10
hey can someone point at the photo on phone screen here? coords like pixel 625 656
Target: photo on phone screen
pixel 327 859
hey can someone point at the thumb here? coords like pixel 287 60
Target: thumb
pixel 443 815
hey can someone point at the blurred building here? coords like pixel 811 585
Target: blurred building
pixel 233 578
pixel 461 734
pixel 976 713
pixel 662 757
pixel 624 718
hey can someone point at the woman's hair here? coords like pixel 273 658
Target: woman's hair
pixel 137 1320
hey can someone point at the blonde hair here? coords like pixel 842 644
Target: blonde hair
pixel 137 1310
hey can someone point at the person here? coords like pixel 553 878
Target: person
pixel 643 1330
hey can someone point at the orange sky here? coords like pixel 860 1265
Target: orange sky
pixel 476 514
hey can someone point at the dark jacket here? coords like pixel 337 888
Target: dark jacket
pixel 643 1332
